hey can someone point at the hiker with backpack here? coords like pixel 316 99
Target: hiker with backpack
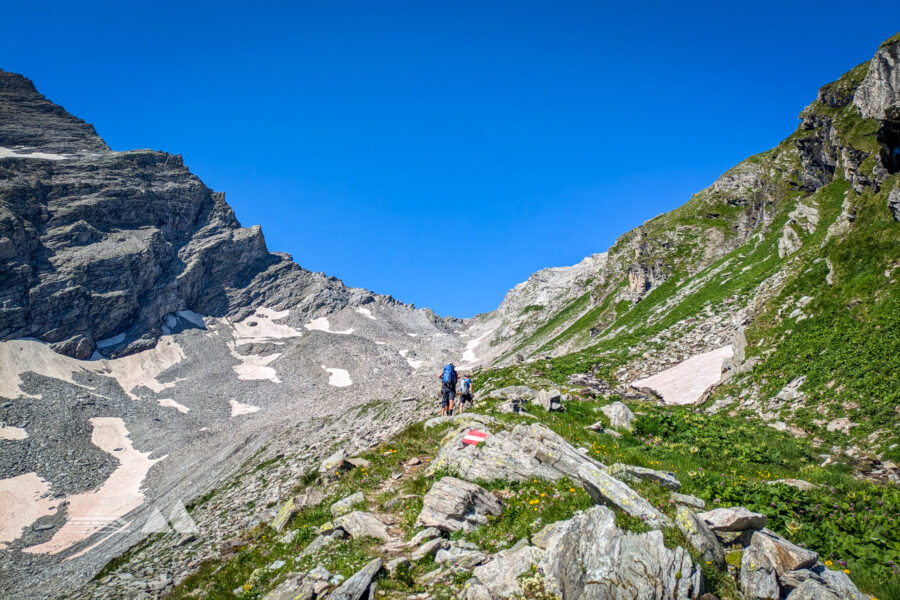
pixel 448 389
pixel 465 391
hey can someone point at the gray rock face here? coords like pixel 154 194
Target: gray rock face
pixel 95 244
pixel 334 465
pixel 758 579
pixel 619 415
pixel 688 500
pixel 880 90
pixel 894 203
pixel 533 451
pixel 589 558
pixel 358 584
pixel 782 554
pixel 700 536
pixel 819 582
pixel 293 588
pixel 634 473
pixel 453 504
pixel 501 574
pixel 736 518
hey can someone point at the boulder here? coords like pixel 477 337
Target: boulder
pixel 533 451
pixel 475 590
pixel 589 558
pixel 285 514
pixel 344 506
pixel 332 467
pixel 427 534
pixel 309 498
pixel 549 400
pixel 429 548
pixel 782 554
pixel 700 537
pixel 819 582
pixel 453 504
pixel 687 500
pixel 758 579
pixel 619 415
pixel 459 557
pixel 359 463
pixel 393 565
pixel 296 587
pixel 320 541
pixel 363 524
pixel 598 427
pixel 736 518
pixel 800 484
pixel 358 584
pixel 633 473
pixel 501 574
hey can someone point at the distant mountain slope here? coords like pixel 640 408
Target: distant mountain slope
pixel 790 258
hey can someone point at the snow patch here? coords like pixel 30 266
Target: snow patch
pixel 469 354
pixel 10 153
pixel 365 312
pixel 23 500
pixel 112 341
pixel 688 382
pixel 141 369
pixel 321 324
pixel 254 367
pixel 338 377
pixel 121 493
pixel 239 408
pixel 8 432
pixel 261 326
pixel 415 364
pixel 172 404
pixel 380 343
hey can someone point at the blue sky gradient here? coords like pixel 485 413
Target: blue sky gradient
pixel 442 152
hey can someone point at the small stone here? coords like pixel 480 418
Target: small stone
pixel 342 507
pixel 736 518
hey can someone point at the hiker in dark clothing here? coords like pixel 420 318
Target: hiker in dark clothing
pixel 465 391
pixel 448 389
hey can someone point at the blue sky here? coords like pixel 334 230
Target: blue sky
pixel 442 152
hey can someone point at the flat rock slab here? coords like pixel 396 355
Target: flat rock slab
pixel 535 452
pixel 501 574
pixel 358 584
pixel 736 518
pixel 688 382
pixel 360 524
pixel 632 473
pixel 453 505
pixel 589 558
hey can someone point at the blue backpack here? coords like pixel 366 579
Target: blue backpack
pixel 449 375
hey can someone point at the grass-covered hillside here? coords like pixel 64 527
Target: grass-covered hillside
pixel 793 256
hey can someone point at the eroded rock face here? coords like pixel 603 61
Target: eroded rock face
pixel 95 244
pixel 880 90
pixel 589 558
pixel 501 575
pixel 453 504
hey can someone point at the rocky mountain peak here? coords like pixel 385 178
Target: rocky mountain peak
pixel 31 123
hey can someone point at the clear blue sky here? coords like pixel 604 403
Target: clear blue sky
pixel 442 152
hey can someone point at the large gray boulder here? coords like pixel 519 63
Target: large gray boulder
pixel 700 536
pixel 534 451
pixel 758 578
pixel 453 504
pixel 619 415
pixel 344 506
pixel 819 583
pixel 358 584
pixel 360 524
pixel 634 473
pixel 782 554
pixel 501 574
pixel 589 558
pixel 549 400
pixel 736 518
